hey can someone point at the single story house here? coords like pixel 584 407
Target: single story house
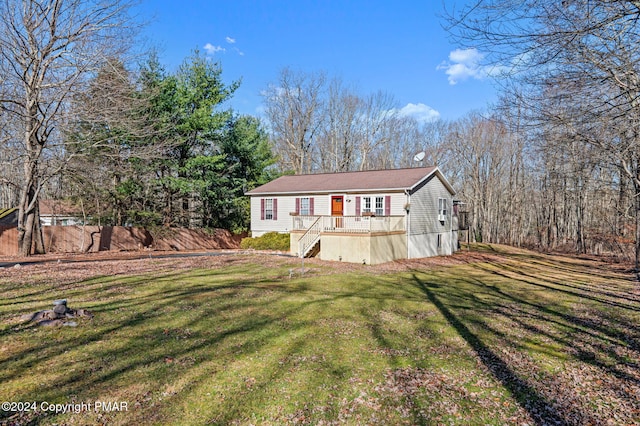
pixel 59 213
pixel 363 217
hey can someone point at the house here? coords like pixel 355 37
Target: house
pixel 59 213
pixel 364 217
pixel 9 217
pixel 52 212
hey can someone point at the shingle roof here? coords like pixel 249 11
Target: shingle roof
pixel 8 217
pixel 374 180
pixel 57 208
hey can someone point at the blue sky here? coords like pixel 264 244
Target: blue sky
pixel 398 47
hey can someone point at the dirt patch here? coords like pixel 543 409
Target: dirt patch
pixel 67 267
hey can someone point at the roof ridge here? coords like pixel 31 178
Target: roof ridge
pixel 367 180
pixel 363 171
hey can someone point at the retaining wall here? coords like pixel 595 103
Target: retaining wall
pixel 87 239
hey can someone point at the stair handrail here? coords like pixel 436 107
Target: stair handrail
pixel 310 237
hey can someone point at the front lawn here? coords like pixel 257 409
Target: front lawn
pixel 492 336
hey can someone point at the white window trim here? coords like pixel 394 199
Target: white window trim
pixel 366 205
pixel 442 209
pixel 268 209
pixel 305 210
pixel 369 205
pixel 379 211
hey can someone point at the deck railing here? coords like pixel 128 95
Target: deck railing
pixel 349 224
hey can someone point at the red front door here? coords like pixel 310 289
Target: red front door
pixel 337 209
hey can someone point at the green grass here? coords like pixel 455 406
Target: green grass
pixel 506 338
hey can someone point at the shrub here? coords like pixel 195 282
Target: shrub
pixel 268 241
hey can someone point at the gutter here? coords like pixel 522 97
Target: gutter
pixel 325 192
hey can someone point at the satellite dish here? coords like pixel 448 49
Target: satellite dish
pixel 419 156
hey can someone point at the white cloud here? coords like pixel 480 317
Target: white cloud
pixel 421 112
pixel 211 49
pixel 467 56
pixel 464 64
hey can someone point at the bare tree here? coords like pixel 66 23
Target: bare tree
pixel 338 136
pixel 330 127
pixel 10 171
pixel 378 113
pixel 585 53
pixel 47 50
pixel 488 165
pixel 294 109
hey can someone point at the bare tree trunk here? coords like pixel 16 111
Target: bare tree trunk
pixel 27 208
pixel 46 49
pixel 636 212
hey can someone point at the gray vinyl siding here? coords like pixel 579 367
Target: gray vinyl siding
pixel 286 205
pixel 424 209
pixel 424 226
pixel 398 201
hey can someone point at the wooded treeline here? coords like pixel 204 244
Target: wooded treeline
pixel 129 144
pixel 571 76
pixel 554 164
pixel 524 180
pixel 147 148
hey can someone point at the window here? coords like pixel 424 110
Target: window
pixel 366 205
pixel 268 209
pixel 379 206
pixel 439 241
pixel 442 209
pixel 305 209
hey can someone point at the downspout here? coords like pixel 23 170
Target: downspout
pixel 451 229
pixel 408 221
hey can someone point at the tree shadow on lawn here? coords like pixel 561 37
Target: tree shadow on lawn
pixel 614 327
pixel 590 291
pixel 165 349
pixel 505 330
pixel 135 310
pixel 215 322
pixel 526 395
pixel 91 293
